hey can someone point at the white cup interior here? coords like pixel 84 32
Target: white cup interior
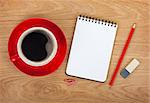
pixel 51 46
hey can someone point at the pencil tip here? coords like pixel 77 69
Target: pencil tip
pixel 134 25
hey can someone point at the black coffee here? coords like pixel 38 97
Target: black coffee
pixel 34 46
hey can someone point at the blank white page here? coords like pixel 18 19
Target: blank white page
pixel 91 49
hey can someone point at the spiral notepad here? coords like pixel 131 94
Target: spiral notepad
pixel 91 48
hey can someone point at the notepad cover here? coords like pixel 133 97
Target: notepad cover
pixel 91 49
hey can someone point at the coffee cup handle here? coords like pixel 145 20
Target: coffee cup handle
pixel 14 57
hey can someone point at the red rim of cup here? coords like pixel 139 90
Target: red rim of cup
pixel 37 70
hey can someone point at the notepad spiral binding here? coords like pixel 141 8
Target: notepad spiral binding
pixel 99 21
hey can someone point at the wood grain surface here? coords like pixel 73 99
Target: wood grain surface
pixel 17 87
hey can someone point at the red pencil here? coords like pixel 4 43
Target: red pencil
pixel 122 55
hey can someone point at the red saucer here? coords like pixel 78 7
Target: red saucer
pixel 37 70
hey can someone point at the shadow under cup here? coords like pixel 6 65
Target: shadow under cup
pixel 37 46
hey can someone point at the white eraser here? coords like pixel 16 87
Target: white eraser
pixel 132 65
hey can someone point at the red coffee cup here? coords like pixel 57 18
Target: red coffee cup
pixel 37 46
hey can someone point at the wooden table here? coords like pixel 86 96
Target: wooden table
pixel 17 87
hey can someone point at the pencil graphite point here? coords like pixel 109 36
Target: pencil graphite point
pixel 134 25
